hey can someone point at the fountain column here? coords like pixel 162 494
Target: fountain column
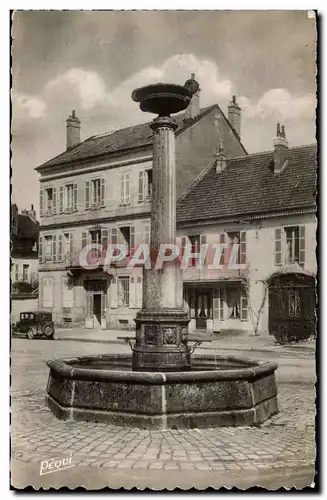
pixel 162 323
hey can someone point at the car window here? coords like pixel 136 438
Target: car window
pixel 32 316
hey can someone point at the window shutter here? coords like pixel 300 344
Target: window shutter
pixel 103 192
pixel 87 195
pixel 216 304
pixel 302 245
pixel 41 202
pixel 54 248
pixel 244 305
pixel 132 240
pixel 138 294
pixel 75 198
pixel 141 186
pixel 122 188
pixel 147 234
pixel 60 252
pixel 54 201
pixel 278 246
pixel 132 297
pixel 114 236
pixel 221 304
pixel 104 237
pixel 203 241
pixel 40 249
pixel 243 247
pixel 224 250
pixel 127 188
pixel 113 293
pixel 84 240
pixel 61 199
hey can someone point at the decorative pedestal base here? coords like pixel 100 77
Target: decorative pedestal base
pixel 161 341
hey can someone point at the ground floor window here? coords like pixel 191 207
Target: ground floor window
pixel 123 291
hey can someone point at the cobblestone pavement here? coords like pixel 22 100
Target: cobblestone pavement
pixel 286 441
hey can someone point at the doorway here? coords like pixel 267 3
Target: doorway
pixel 97 310
pixel 202 308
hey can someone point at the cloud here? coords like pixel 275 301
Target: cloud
pixel 279 104
pixel 88 86
pixel 27 107
pixel 102 107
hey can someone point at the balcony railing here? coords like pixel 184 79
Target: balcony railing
pixel 192 274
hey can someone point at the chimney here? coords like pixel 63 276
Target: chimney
pixel 73 131
pixel 220 158
pixel 32 213
pixel 280 149
pixel 234 116
pixel 193 108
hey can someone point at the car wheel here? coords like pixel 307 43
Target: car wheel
pixel 48 331
pixel 30 333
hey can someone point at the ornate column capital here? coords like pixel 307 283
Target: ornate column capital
pixel 164 121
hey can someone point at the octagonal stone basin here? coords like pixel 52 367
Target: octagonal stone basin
pixel 216 391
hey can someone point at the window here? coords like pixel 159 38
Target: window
pixel 128 234
pixel 123 291
pixel 25 272
pixel 68 198
pixel 48 247
pixel 47 292
pixel 16 272
pixel 67 293
pixel 124 189
pixel 49 201
pixel 145 186
pixel 233 302
pixel 292 244
pixel 94 193
pixel 294 303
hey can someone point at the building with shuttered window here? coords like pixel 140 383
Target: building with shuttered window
pixel 266 203
pixel 99 191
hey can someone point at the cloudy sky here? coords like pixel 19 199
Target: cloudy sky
pixel 91 62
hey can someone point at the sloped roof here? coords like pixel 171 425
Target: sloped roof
pixel 248 186
pixel 27 228
pixel 122 139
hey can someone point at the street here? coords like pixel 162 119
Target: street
pixel 280 452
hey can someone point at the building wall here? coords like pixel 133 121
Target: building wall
pixel 20 262
pixel 260 259
pixel 198 144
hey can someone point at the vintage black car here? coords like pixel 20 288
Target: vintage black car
pixel 36 324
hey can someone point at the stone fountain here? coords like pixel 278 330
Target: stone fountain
pixel 162 384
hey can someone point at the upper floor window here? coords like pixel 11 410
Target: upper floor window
pixel 68 198
pixel 125 189
pixel 25 272
pixel 230 253
pixel 48 201
pixel 48 248
pixel 145 185
pixel 128 237
pixel 290 245
pixel 95 193
pixel 65 247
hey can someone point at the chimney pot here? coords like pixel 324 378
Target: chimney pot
pixel 234 115
pixel 280 150
pixel 73 131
